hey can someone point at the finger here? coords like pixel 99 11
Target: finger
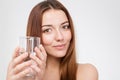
pixel 37 60
pixel 39 53
pixel 36 69
pixel 23 73
pixel 22 66
pixel 42 49
pixel 14 55
pixel 19 59
pixel 16 52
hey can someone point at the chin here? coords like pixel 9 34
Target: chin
pixel 58 54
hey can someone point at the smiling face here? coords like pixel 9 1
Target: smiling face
pixel 56 33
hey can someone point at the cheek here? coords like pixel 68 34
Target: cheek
pixel 68 36
pixel 47 40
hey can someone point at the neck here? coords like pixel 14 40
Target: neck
pixel 52 69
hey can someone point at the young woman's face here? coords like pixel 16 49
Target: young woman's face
pixel 56 33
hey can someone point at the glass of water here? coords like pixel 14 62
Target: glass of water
pixel 28 44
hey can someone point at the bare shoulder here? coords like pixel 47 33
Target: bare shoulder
pixel 87 72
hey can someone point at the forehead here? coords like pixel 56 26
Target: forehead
pixel 53 16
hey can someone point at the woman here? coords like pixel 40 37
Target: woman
pixel 55 58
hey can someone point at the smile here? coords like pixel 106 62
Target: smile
pixel 59 47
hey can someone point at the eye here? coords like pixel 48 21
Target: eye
pixel 65 26
pixel 47 30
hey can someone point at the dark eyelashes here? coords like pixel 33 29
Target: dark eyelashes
pixel 46 30
pixel 50 29
pixel 66 26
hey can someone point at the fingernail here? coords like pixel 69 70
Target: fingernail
pixel 40 45
pixel 33 54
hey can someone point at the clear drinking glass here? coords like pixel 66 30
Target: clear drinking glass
pixel 28 44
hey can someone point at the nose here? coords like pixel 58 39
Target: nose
pixel 59 35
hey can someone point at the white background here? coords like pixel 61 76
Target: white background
pixel 97 25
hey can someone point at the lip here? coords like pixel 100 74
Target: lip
pixel 59 47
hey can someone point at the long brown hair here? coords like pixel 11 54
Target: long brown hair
pixel 68 65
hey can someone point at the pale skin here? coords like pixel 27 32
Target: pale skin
pixel 56 36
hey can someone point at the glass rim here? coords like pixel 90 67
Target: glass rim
pixel 25 37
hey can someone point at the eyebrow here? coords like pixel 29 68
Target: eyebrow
pixel 64 22
pixel 51 25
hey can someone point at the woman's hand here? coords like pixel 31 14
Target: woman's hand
pixel 40 60
pixel 17 68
